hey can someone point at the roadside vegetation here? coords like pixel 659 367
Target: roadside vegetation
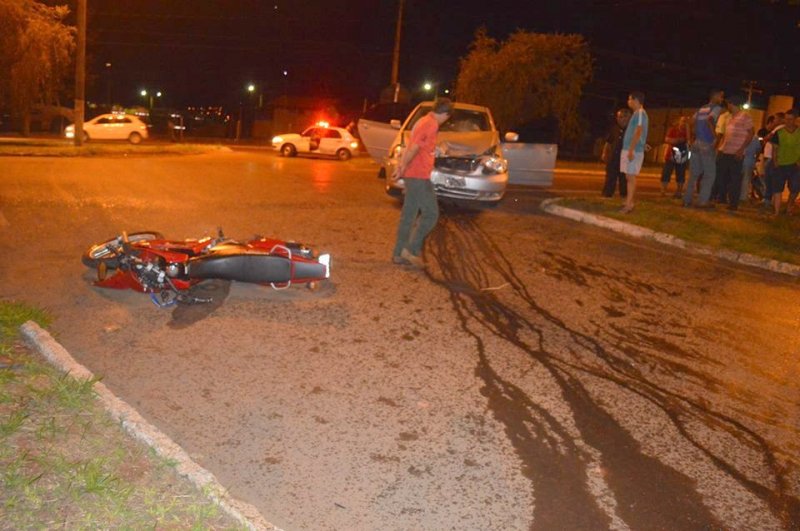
pixel 528 77
pixel 747 231
pixel 64 148
pixel 65 464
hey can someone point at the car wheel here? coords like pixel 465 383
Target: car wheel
pixel 343 154
pixel 288 150
pixel 135 138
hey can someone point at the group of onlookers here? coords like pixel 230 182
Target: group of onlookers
pixel 728 160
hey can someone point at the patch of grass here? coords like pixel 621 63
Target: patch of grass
pixel 53 148
pixel 13 314
pixel 746 231
pixel 72 393
pixel 12 423
pixel 64 463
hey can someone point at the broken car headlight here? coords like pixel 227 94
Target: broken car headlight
pixel 494 165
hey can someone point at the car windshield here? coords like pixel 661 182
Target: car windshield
pixel 461 121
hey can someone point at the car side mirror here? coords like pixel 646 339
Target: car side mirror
pixel 511 137
pixel 395 124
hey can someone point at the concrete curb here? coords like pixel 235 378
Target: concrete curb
pixel 135 425
pixel 549 206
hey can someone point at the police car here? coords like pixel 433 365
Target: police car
pixel 320 139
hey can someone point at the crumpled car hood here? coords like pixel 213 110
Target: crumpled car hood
pixel 466 144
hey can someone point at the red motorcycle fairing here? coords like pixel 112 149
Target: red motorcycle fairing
pixel 125 278
pixel 148 263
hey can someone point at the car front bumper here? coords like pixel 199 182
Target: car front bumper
pixel 475 186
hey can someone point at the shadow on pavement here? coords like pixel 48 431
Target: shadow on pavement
pixel 187 314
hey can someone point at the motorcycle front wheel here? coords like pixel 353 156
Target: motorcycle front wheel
pixel 107 252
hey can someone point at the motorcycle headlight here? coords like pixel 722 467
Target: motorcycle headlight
pixel 495 165
pixel 174 270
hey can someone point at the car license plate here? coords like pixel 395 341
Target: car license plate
pixel 455 182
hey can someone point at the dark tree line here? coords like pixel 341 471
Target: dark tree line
pixel 36 56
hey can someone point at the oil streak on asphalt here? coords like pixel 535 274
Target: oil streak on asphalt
pixel 644 492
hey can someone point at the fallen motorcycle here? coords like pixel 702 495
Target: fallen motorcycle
pixel 168 269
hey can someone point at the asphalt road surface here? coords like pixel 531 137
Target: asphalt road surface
pixel 540 374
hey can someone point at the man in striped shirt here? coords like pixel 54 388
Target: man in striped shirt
pixel 738 134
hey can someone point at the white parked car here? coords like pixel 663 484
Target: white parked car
pixel 472 163
pixel 115 126
pixel 320 139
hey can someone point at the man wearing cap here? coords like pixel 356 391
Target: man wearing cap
pixel 415 167
pixel 738 134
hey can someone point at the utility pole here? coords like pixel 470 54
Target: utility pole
pixel 396 54
pixel 750 89
pixel 80 73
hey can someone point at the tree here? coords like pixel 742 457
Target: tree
pixel 530 76
pixel 36 50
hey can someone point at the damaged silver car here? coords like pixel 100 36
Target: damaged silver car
pixel 471 163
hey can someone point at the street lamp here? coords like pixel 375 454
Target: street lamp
pixel 429 86
pixel 143 93
pixel 107 71
pixel 251 88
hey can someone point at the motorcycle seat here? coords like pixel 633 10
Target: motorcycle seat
pixel 235 264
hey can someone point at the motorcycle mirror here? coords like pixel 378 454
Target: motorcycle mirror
pixel 126 244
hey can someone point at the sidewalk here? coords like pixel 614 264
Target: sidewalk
pixel 598 168
pixel 551 207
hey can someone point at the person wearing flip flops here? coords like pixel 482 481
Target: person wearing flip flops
pixel 633 147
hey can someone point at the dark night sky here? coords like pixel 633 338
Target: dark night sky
pixel 202 52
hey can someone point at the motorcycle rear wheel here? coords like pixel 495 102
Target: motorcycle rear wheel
pixel 108 250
